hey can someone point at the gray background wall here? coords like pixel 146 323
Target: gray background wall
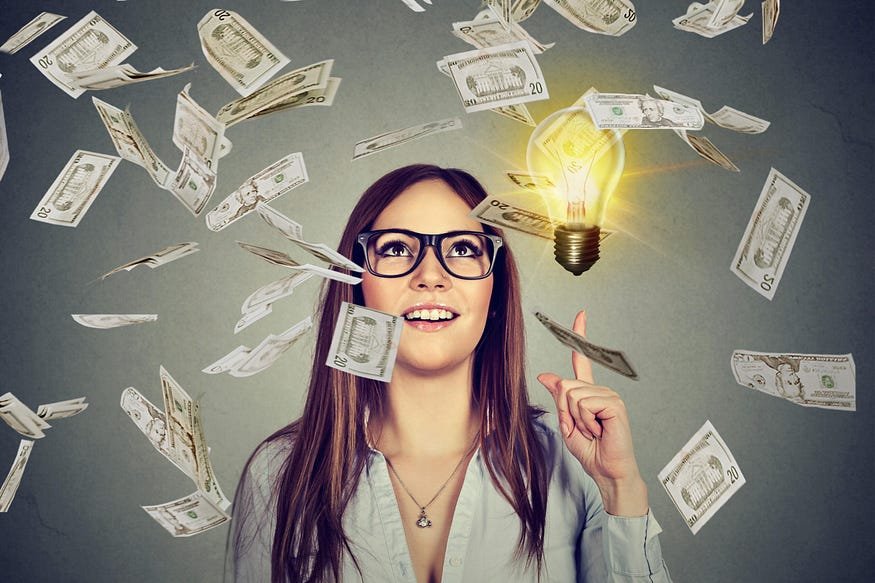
pixel 662 292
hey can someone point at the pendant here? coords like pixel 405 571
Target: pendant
pixel 423 521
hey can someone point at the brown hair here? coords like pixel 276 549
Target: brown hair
pixel 328 447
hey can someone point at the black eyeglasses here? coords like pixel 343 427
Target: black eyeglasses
pixel 397 252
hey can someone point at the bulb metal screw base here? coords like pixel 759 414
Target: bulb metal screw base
pixel 576 248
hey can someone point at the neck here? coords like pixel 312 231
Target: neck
pixel 427 414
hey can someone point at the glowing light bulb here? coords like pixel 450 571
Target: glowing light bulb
pixel 584 164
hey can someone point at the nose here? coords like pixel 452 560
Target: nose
pixel 430 273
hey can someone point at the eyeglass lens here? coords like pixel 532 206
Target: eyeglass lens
pixel 464 255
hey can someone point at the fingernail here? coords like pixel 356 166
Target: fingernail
pixel 564 428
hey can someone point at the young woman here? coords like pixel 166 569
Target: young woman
pixel 446 473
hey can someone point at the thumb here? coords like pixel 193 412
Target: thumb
pixel 550 382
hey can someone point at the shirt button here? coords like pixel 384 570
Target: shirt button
pixel 455 561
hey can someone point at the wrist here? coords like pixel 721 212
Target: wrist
pixel 626 497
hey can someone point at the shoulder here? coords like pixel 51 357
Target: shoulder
pixel 266 464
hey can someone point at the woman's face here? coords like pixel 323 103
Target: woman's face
pixel 431 207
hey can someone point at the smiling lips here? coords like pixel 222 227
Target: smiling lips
pixel 429 317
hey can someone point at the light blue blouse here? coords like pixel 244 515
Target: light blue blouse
pixel 581 541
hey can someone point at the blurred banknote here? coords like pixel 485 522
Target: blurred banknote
pixel 535 182
pixel 152 422
pixel 21 418
pixel 415 6
pixel 640 112
pixel 194 182
pixel 106 321
pixel 771 11
pixel 283 259
pixel 771 231
pixel 30 31
pixel 701 477
pixel 518 112
pixel 294 232
pixel 260 302
pixel 277 179
pixel 726 117
pixel 827 381
pixel 611 17
pixel 4 142
pixel 119 76
pixel 189 515
pixel 316 96
pixel 62 409
pixel 277 94
pixel 244 361
pixel 365 342
pixel 195 128
pixel 399 137
pixel 91 43
pixel 238 52
pixel 497 76
pixel 157 259
pixel 491 31
pixel 707 150
pixel 512 10
pixel 712 19
pixel 13 477
pixel 613 359
pixel 74 190
pixel 130 142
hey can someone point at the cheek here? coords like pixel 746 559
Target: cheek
pixel 378 292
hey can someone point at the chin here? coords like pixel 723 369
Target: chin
pixel 433 363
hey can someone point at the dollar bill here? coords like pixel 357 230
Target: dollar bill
pixel 294 232
pixel 21 418
pixel 13 477
pixel 827 381
pixel 698 17
pixel 701 477
pixel 610 17
pixel 4 142
pixel 30 31
pixel 770 234
pixel 62 409
pixel 157 259
pixel 277 179
pixel 518 112
pixel 414 5
pixel 91 43
pixel 152 422
pixel 195 128
pixel 259 303
pixel 282 259
pixel 725 117
pixel 238 52
pixel 107 321
pixel 640 112
pixel 535 182
pixel 244 361
pixel 723 12
pixel 365 342
pixel 189 515
pixel 512 10
pixel 316 96
pixel 129 141
pixel 612 359
pixel 497 76
pixel 400 137
pixel 194 182
pixel 707 150
pixel 771 10
pixel 120 76
pixel 74 190
pixel 492 32
pixel 277 93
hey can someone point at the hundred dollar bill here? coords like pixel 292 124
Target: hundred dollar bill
pixel 30 31
pixel 771 11
pixel 195 128
pixel 157 259
pixel 612 359
pixel 316 96
pixel 21 418
pixel 91 43
pixel 62 409
pixel 260 302
pixel 294 232
pixel 726 117
pixel 120 75
pixel 277 93
pixel 106 321
pixel 130 142
pixel 277 179
pixel 707 150
pixel 13 477
pixel 611 17
pixel 365 342
pixel 827 381
pixel 771 231
pixel 282 259
pixel 189 515
pixel 699 16
pixel 4 142
pixel 497 76
pixel 238 52
pixel 194 182
pixel 400 137
pixel 152 422
pixel 491 32
pixel 244 361
pixel 640 112
pixel 701 477
pixel 74 190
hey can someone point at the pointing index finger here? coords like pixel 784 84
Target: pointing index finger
pixel 582 365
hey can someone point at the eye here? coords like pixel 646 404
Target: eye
pixel 465 249
pixel 393 249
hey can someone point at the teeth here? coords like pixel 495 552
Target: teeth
pixel 433 315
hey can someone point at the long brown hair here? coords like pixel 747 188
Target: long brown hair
pixel 327 444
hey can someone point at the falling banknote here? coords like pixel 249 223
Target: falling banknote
pixel 107 321
pixel 74 190
pixel 244 361
pixel 157 259
pixel 16 471
pixel 610 17
pixel 640 112
pixel 365 342
pixel 613 359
